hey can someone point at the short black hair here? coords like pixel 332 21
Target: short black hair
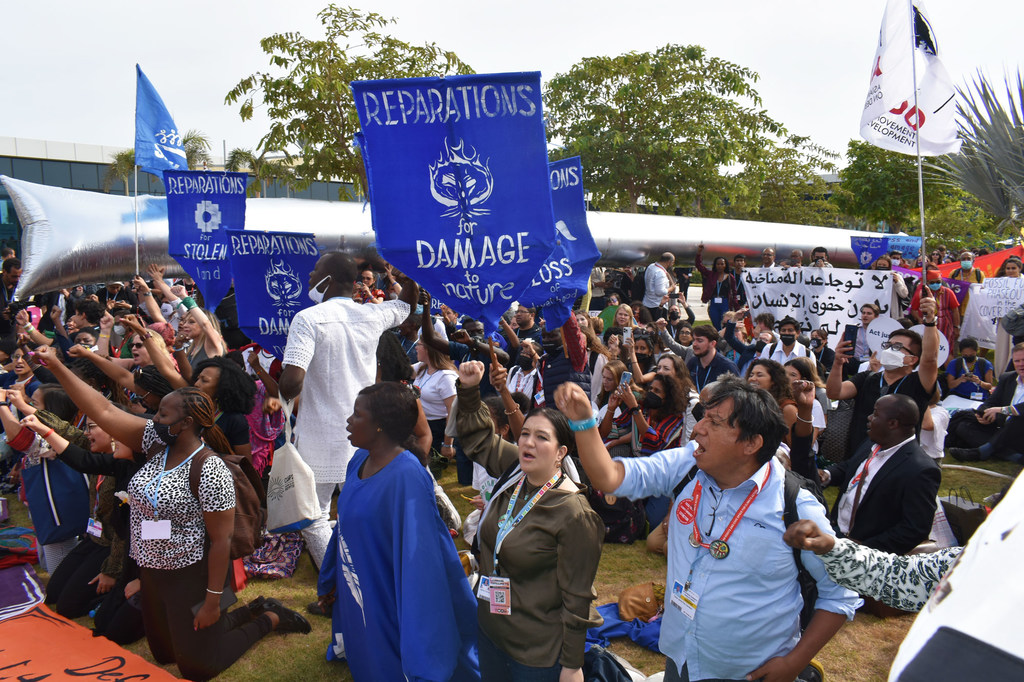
pixel 394 409
pixel 58 402
pixel 11 264
pixel 754 412
pixel 91 310
pixel 968 342
pixel 790 320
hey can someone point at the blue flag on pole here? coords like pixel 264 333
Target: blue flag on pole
pixel 564 277
pixel 457 174
pixel 201 207
pixel 158 142
pixel 271 271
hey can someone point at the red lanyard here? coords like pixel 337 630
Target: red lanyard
pixel 720 548
pixel 867 467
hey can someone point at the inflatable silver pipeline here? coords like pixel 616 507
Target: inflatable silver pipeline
pixel 77 237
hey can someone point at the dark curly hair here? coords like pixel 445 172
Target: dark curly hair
pixel 780 389
pixel 394 409
pixel 676 399
pixel 236 391
pixel 393 363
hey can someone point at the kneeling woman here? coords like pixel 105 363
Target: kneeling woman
pixel 181 541
pixel 540 543
pixel 401 599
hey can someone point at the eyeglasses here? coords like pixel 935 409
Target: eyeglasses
pixel 895 345
pixel 139 398
pixel 138 344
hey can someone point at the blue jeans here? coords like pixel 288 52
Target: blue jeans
pixel 497 666
pixel 715 313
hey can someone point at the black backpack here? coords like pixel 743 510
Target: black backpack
pixel 794 482
pixel 638 288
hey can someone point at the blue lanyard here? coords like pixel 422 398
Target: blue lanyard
pixel 506 524
pixel 154 498
pixel 696 375
pixel 883 389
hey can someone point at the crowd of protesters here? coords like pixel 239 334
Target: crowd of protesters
pixel 630 418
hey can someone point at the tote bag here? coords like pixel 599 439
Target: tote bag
pixel 58 499
pixel 292 503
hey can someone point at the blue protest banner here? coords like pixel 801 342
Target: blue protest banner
pixel 158 143
pixel 201 207
pixel 457 174
pixel 909 246
pixel 565 275
pixel 868 249
pixel 271 271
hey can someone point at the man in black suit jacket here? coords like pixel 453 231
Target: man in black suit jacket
pixel 999 429
pixel 889 485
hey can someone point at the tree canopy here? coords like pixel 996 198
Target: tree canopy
pixel 307 95
pixel 792 189
pixel 656 130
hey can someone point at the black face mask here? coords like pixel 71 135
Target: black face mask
pixel 643 359
pixel 787 339
pixel 526 363
pixel 163 432
pixel 652 401
pixel 759 345
pixel 674 316
pixel 815 344
pixel 552 348
pixel 970 358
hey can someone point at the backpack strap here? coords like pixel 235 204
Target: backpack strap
pixel 195 470
pixel 791 489
pixel 771 349
pixel 685 482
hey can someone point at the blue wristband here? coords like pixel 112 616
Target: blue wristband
pixel 582 424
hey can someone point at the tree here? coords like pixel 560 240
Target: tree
pixel 792 189
pixel 310 104
pixel 990 164
pixel 197 149
pixel 656 129
pixel 880 185
pixel 960 222
pixel 122 167
pixel 260 166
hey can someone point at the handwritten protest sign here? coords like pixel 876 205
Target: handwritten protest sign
pixel 564 277
pixel 458 183
pixel 989 301
pixel 201 207
pixel 816 297
pixel 271 271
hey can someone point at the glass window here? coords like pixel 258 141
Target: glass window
pixel 29 170
pixel 57 173
pixel 5 165
pixel 86 176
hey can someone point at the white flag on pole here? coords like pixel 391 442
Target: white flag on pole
pixel 890 119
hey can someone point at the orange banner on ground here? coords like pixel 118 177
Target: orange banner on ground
pixel 40 645
pixel 988 264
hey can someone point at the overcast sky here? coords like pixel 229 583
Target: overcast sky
pixel 69 66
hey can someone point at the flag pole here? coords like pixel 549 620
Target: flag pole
pixel 137 270
pixel 917 144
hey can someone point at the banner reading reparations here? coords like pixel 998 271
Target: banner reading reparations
pixel 458 184
pixel 564 277
pixel 271 271
pixel 816 297
pixel 201 206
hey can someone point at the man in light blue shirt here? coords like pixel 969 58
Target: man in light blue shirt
pixel 732 597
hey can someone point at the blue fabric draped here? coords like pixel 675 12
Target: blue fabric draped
pixel 564 277
pixel 458 184
pixel 158 142
pixel 271 274
pixel 644 634
pixel 201 207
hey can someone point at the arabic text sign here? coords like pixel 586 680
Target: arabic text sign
pixel 989 301
pixel 816 297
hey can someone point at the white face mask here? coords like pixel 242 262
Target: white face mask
pixel 890 359
pixel 119 329
pixel 318 296
pixel 896 262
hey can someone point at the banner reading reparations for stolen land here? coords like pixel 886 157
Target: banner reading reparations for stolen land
pixel 565 276
pixel 201 207
pixel 816 297
pixel 271 271
pixel 458 183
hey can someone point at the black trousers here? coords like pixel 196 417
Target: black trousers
pixel 119 619
pixel 69 590
pixel 167 600
pixel 1006 439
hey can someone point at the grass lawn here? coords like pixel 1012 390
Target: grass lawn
pixel 863 649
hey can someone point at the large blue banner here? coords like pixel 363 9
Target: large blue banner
pixel 201 207
pixel 868 249
pixel 458 184
pixel 271 272
pixel 909 246
pixel 564 277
